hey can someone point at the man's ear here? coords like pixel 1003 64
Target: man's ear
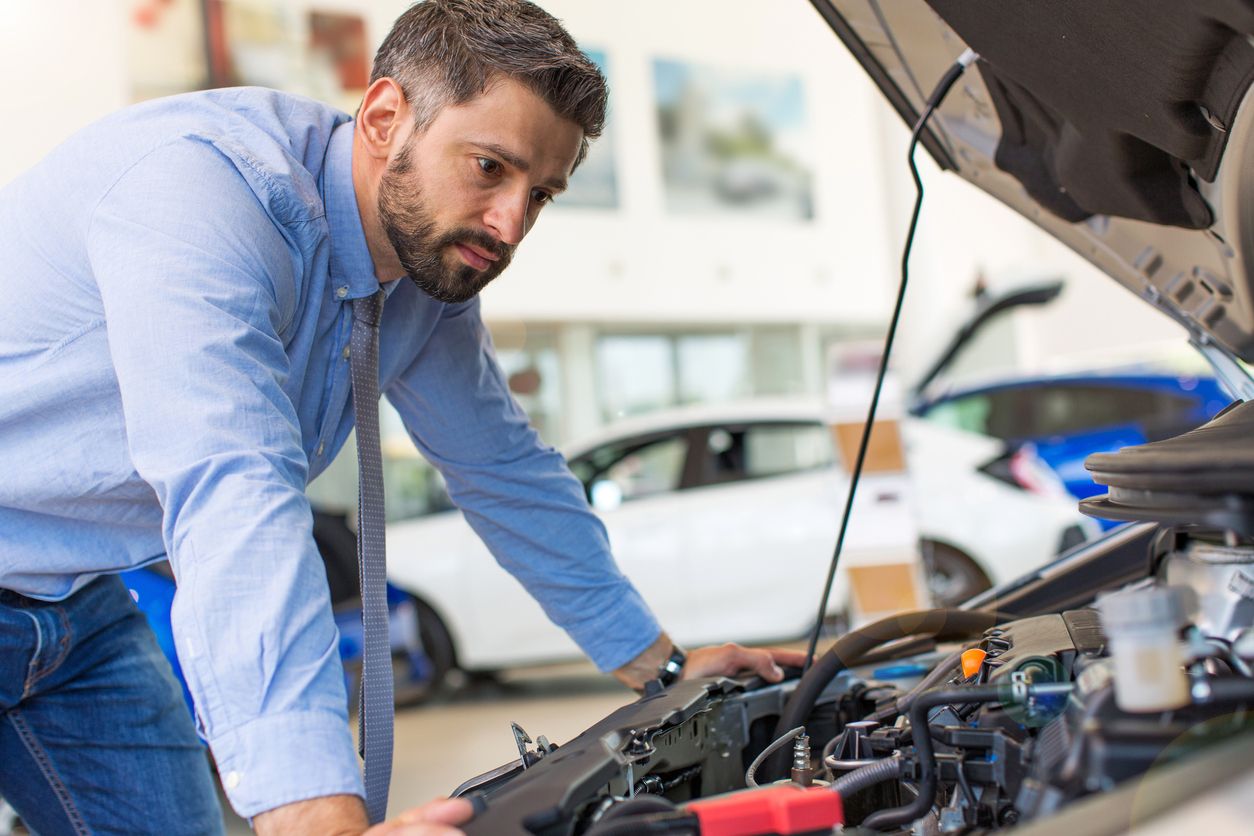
pixel 384 120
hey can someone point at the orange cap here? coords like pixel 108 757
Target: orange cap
pixel 971 661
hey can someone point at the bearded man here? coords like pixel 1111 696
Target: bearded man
pixel 182 281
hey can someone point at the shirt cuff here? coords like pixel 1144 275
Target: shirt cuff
pixel 284 758
pixel 618 633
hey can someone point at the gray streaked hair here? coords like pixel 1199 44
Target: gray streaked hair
pixel 447 52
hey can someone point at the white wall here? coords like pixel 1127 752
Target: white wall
pixel 61 67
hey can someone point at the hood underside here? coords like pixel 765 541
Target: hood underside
pixel 1121 127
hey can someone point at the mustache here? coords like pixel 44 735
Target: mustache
pixel 480 239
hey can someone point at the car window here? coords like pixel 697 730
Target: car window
pixel 1053 410
pixel 636 468
pixel 968 413
pixel 750 452
pixel 1063 410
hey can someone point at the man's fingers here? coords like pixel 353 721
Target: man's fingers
pixel 762 663
pixel 435 818
pixel 791 658
pixel 426 829
pixel 439 811
pixel 731 659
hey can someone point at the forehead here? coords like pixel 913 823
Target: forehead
pixel 509 116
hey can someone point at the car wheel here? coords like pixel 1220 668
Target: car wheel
pixel 952 576
pixel 421 670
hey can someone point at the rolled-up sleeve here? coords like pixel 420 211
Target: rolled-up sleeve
pixel 517 492
pixel 197 283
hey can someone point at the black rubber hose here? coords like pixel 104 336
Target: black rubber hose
pixel 671 823
pixel 868 776
pixel 945 668
pixel 1232 690
pixel 941 624
pixel 925 754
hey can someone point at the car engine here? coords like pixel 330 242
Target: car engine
pixel 1025 715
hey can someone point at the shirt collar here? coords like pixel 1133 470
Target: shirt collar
pixel 351 265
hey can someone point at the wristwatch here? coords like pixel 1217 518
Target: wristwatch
pixel 668 672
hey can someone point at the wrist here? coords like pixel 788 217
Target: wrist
pixel 644 668
pixel 332 815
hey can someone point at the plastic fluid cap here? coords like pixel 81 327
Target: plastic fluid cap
pixel 1142 628
pixel 1156 607
pixel 971 661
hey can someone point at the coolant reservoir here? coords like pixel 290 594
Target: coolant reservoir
pixel 1142 628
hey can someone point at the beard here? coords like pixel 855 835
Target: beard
pixel 420 245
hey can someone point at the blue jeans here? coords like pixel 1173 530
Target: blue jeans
pixel 94 734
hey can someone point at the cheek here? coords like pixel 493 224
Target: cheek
pixel 532 216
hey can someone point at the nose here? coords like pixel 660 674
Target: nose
pixel 508 216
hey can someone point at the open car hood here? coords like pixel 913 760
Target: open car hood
pixel 1124 128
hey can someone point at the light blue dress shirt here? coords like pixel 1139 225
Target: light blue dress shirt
pixel 176 282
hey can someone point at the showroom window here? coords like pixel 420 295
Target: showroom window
pixel 638 373
pixel 635 374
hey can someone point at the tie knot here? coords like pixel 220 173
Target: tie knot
pixel 369 309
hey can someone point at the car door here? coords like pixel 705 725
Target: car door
pixel 637 485
pixel 764 510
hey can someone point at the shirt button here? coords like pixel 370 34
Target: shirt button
pixel 230 780
pixel 321 447
pixel 341 292
pixel 345 352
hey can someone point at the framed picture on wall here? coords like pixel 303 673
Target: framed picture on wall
pixel 595 183
pixel 732 141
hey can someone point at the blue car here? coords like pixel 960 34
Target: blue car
pixel 1066 418
pixel 421 651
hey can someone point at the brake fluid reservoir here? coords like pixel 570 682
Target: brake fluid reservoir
pixel 1142 628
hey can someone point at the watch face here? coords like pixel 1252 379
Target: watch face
pixel 669 670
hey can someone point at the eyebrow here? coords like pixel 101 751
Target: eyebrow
pixel 558 185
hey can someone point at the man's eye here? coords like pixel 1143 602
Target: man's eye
pixel 489 166
pixel 541 197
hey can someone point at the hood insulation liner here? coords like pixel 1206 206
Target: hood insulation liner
pixel 1105 107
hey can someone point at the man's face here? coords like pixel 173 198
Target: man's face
pixel 460 196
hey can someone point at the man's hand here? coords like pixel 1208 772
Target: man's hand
pixel 435 818
pixel 731 659
pixel 723 660
pixel 345 815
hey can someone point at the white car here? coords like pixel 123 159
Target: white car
pixel 697 500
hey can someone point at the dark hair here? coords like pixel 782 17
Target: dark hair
pixel 447 52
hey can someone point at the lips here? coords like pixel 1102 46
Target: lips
pixel 476 257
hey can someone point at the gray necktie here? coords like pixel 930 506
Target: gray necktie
pixel 375 708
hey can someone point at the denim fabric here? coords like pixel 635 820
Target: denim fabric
pixel 94 734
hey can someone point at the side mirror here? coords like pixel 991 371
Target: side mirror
pixel 606 495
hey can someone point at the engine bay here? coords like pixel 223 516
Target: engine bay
pixel 1025 715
